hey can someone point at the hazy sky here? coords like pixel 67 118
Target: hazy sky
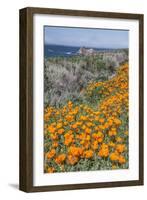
pixel 100 38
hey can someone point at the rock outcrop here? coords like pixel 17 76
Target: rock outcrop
pixel 86 51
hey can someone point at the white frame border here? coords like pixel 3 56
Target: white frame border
pixel 41 179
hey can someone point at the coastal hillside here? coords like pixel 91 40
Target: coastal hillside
pixel 66 77
pixel 86 112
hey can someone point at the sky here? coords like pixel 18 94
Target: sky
pixel 86 37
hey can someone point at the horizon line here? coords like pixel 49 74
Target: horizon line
pixel 86 46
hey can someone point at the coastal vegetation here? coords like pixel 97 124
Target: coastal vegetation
pixel 86 112
pixel 66 77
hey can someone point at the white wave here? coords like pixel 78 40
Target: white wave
pixel 68 53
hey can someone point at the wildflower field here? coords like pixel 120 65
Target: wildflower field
pixel 90 133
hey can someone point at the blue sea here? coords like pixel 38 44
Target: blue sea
pixel 58 50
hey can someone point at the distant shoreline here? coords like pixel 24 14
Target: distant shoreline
pixel 64 50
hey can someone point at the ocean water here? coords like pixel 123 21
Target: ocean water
pixel 58 50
